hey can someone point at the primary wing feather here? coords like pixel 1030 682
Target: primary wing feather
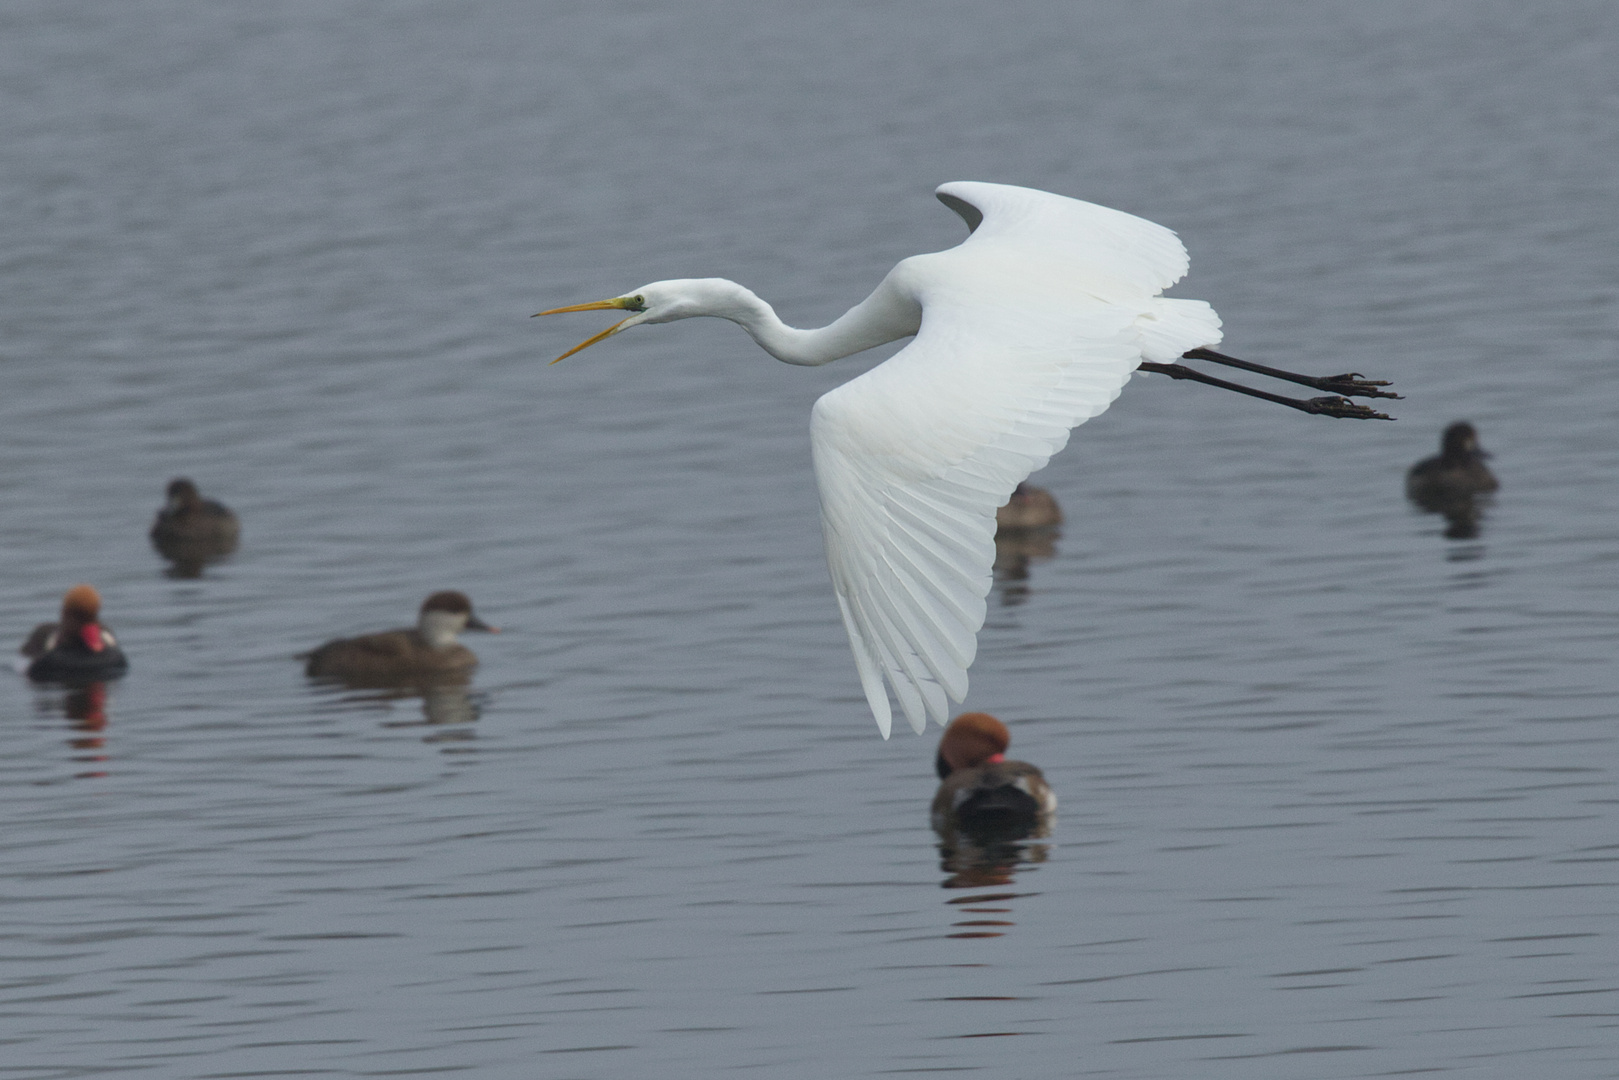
pixel 1029 328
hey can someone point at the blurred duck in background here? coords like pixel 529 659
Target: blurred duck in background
pixel 428 652
pixel 77 648
pixel 1028 509
pixel 1026 529
pixel 1455 482
pixel 190 530
pixel 981 793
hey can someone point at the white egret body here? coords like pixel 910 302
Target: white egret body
pixel 1028 328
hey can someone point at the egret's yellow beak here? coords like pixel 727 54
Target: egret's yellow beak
pixel 621 303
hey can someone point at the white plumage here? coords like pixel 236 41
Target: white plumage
pixel 1028 328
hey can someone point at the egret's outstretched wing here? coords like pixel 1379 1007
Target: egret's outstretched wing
pixel 1029 328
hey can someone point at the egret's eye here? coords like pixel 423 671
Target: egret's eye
pixel 639 303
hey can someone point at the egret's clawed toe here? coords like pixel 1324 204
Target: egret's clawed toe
pixel 1354 384
pixel 1344 409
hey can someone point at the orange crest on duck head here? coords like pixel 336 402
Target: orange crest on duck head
pixel 972 739
pixel 81 604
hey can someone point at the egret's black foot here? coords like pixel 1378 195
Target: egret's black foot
pixel 1344 409
pixel 1349 384
pixel 1353 384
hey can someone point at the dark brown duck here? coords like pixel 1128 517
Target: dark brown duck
pixel 191 528
pixel 429 650
pixel 1456 472
pixel 1030 508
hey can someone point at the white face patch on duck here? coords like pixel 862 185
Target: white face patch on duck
pixel 440 628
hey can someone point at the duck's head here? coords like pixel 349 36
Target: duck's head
pixel 182 495
pixel 1460 441
pixel 971 739
pixel 445 614
pixel 81 608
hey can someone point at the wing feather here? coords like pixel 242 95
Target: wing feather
pixel 1030 327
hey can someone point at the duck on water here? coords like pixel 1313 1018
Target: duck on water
pixel 428 651
pixel 1029 509
pixel 189 530
pixel 982 792
pixel 1455 482
pixel 1456 472
pixel 77 647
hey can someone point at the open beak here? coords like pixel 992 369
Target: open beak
pixel 620 303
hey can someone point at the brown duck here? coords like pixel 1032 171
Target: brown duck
pixel 1028 509
pixel 189 520
pixel 425 652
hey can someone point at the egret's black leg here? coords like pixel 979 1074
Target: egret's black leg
pixel 1349 384
pixel 1326 406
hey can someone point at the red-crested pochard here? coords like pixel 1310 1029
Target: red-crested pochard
pixel 980 789
pixel 77 647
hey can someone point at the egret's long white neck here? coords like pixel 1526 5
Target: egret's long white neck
pixel 888 314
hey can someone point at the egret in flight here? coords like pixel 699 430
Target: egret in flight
pixel 1028 328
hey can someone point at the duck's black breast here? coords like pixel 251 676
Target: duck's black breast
pixel 70 661
pixel 994 795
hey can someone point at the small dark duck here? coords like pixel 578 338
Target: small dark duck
pixel 1456 472
pixel 190 530
pixel 1030 508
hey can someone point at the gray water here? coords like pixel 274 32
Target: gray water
pixel 1339 794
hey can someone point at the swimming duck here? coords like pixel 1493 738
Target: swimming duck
pixel 981 791
pixel 1028 508
pixel 190 529
pixel 1457 472
pixel 77 648
pixel 429 651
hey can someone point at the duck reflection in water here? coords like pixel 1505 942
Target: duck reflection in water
pixel 85 708
pixel 987 808
pixel 191 531
pixel 1026 529
pixel 1455 482
pixel 448 703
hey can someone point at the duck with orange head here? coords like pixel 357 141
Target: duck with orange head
pixel 77 648
pixel 980 790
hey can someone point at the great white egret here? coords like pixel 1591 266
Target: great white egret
pixel 1028 328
